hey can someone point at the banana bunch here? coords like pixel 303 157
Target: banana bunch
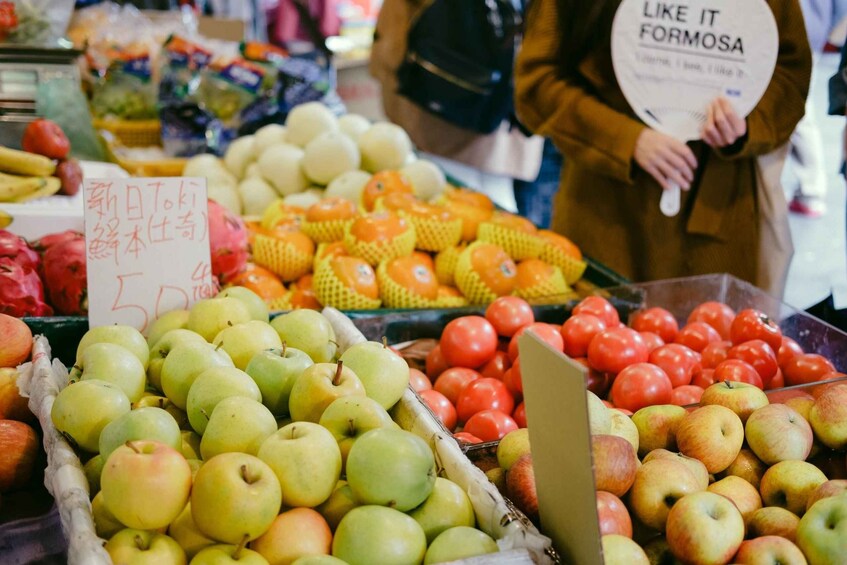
pixel 26 176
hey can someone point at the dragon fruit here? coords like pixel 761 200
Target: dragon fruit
pixel 16 248
pixel 21 292
pixel 64 272
pixel 227 241
pixel 49 241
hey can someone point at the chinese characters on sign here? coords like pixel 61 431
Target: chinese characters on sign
pixel 147 248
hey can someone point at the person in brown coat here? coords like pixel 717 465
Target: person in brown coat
pixel 616 168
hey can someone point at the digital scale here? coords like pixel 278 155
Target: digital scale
pixel 22 70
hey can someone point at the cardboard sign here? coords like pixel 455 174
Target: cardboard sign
pixel 557 418
pixel 147 243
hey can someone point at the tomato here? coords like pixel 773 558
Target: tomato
pixel 435 363
pixel 469 341
pixel 624 411
pixel 508 314
pixel 490 425
pixel 714 353
pixel 465 437
pixel 704 378
pixel 46 138
pixel 653 341
pixel 546 332
pixel 753 324
pixel 519 415
pixel 640 385
pixel 788 350
pixel 806 368
pixel 697 335
pixel 484 394
pixel 600 307
pixel 453 381
pixel 686 395
pixel 418 381
pixel 595 381
pixel 514 379
pixel 497 367
pixel 778 381
pixel 578 331
pixel 716 314
pixel 758 354
pixel 677 361
pixel 737 371
pixel 656 320
pixel 614 349
pixel 441 407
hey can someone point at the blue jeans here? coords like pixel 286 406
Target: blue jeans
pixel 535 199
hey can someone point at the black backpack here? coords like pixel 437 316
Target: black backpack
pixel 459 61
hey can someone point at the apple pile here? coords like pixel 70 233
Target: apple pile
pixel 224 437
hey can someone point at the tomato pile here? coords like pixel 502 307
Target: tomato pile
pixel 473 379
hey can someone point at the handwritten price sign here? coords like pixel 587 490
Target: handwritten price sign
pixel 147 248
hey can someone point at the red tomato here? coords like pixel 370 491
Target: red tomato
pixel 753 324
pixel 508 314
pixel 469 341
pixel 497 367
pixel 519 415
pixel 614 349
pixel 578 331
pixel 704 378
pixel 778 381
pixel 697 335
pixel 546 332
pixel 600 307
pixel 737 371
pixel 759 355
pixel 514 382
pixel 677 361
pixel 453 381
pixel 418 381
pixel 656 320
pixel 714 353
pixel 806 368
pixel 788 350
pixel 465 437
pixel 716 314
pixel 595 381
pixel 640 385
pixel 44 137
pixel 435 363
pixel 490 425
pixel 624 411
pixel 484 394
pixel 653 341
pixel 686 395
pixel 441 407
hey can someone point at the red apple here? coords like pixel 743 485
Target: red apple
pixel 744 495
pixel 614 517
pixel 828 417
pixel 520 487
pixel 773 521
pixel 768 550
pixel 827 489
pixel 705 527
pixel 776 432
pixel 658 485
pixel 713 434
pixel 615 463
pixel 13 406
pixel 15 341
pixel 748 467
pixel 741 398
pixel 789 484
pixel 18 451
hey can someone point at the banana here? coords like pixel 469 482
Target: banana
pixel 51 187
pixel 24 163
pixel 12 187
pixel 5 219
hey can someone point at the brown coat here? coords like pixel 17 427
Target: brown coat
pixel 608 205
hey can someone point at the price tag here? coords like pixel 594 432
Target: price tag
pixel 147 248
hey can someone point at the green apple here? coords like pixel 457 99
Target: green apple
pixel 156 401
pixel 190 446
pixel 384 374
pixel 184 531
pixel 497 477
pixel 599 417
pixel 447 507
pixel 195 465
pixel 105 523
pixel 243 341
pixel 318 386
pixel 306 460
pixel 228 555
pixel 145 423
pixel 237 424
pixel 235 498
pixel 125 336
pixel 209 316
pixel 182 366
pixel 348 417
pixel 139 547
pixel 275 371
pixel 73 418
pixel 319 560
pixel 339 503
pixel 309 331
pixel 162 348
pixel 145 484
pixel 513 445
pixel 112 363
pixel 258 308
pixel 376 534
pixel 391 467
pixel 457 543
pixel 212 386
pixel 173 320
pixel 92 469
pixel 822 533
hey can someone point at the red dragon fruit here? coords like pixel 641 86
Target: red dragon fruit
pixel 65 275
pixel 49 241
pixel 21 293
pixel 16 248
pixel 227 241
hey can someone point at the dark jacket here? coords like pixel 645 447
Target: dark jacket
pixel 838 87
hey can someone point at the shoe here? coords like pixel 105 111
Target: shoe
pixel 809 206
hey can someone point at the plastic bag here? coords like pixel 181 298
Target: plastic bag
pixel 39 23
pixel 126 89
